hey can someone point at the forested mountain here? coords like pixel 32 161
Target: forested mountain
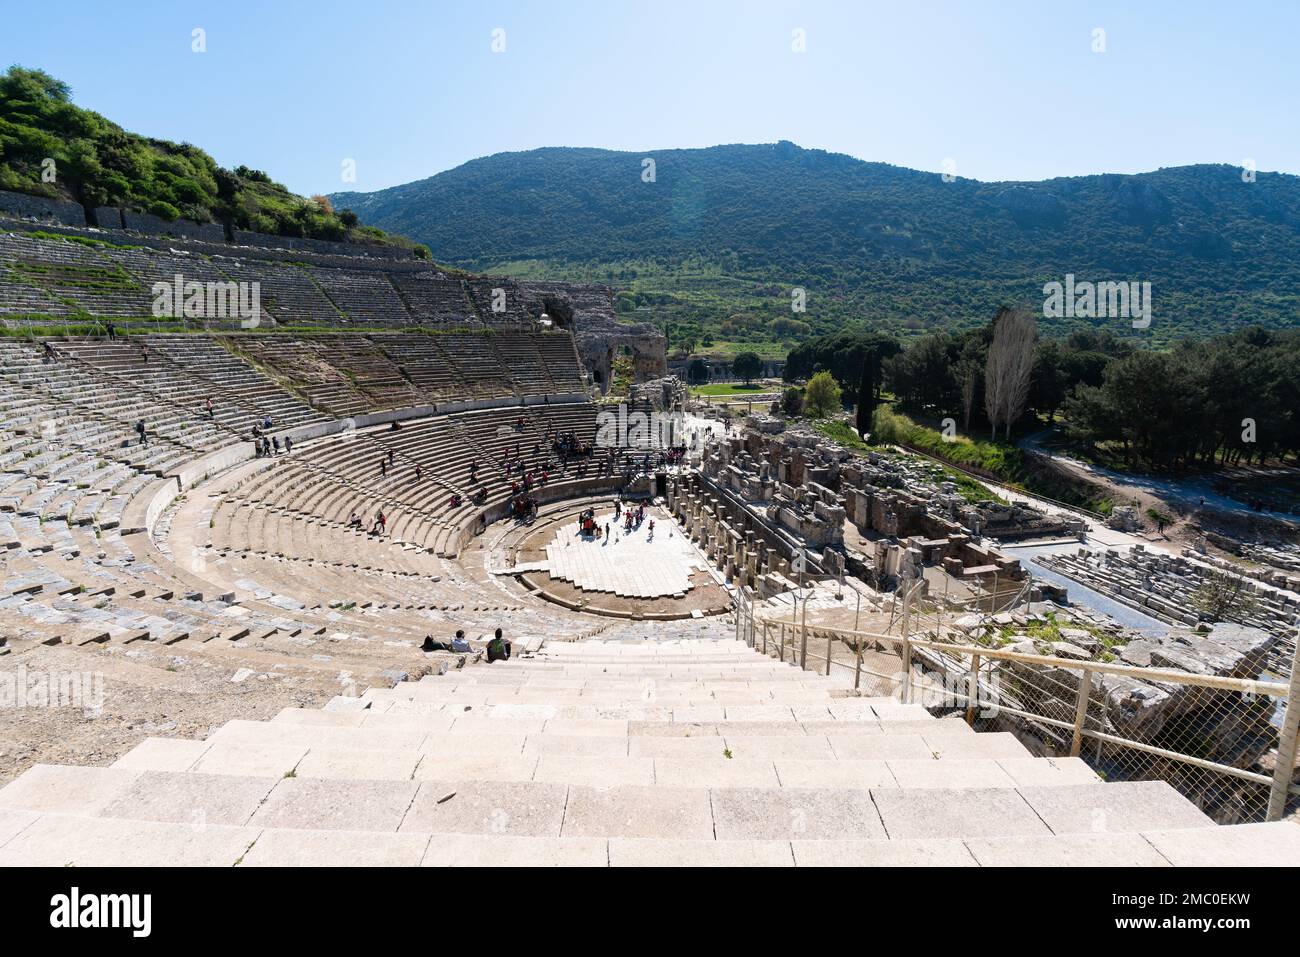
pixel 717 239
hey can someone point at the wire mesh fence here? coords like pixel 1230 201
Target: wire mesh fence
pixel 1224 743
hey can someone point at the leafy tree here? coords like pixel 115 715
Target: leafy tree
pixel 792 401
pixel 747 366
pixel 840 353
pixel 822 395
pixel 698 371
pixel 97 163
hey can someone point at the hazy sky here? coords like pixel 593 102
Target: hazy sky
pixel 1005 90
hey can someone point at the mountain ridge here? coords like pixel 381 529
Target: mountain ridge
pixel 727 231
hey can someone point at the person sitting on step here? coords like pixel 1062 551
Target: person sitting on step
pixel 459 643
pixel 498 649
pixel 431 645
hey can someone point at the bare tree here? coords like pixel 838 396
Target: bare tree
pixel 1010 367
pixel 1223 596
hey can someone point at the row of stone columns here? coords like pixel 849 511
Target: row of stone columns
pixel 732 546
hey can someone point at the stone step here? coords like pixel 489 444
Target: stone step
pixel 545 809
pixel 468 735
pixel 57 840
pixel 698 709
pixel 353 712
pixel 653 711
pixel 605 761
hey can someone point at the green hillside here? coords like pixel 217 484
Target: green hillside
pixel 97 163
pixel 715 244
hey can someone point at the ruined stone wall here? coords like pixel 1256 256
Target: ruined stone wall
pixel 21 206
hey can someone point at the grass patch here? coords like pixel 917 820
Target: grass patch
pixel 967 487
pixel 1002 462
pixel 733 389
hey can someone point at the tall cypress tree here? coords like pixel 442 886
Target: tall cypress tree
pixel 866 394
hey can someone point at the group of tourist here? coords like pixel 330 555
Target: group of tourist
pixel 497 648
pixel 523 506
pixel 632 517
pixel 530 480
pixel 264 445
pixel 567 446
pixel 267 447
pixel 377 528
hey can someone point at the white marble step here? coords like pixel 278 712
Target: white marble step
pixel 56 840
pixel 543 809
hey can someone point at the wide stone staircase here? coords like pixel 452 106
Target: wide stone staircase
pixel 619 750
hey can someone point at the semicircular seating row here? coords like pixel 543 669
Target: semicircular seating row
pixel 71 464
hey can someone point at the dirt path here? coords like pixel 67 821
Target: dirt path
pixel 1190 501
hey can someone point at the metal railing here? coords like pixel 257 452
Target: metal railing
pixel 1201 733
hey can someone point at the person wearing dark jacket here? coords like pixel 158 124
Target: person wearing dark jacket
pixel 498 648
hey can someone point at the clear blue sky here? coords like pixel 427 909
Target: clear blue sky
pixel 1006 89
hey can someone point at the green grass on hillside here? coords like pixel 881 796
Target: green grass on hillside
pixel 99 163
pixel 1004 463
pixel 842 432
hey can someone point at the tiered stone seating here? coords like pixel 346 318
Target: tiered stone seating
pixel 560 360
pixel 434 298
pixel 19 297
pixel 425 365
pixel 370 369
pixel 104 411
pixel 324 482
pixel 55 466
pixel 235 380
pixel 150 266
pixel 76 273
pixel 484 293
pixel 478 364
pixel 363 296
pixel 654 743
pixel 110 274
pixel 519 355
pixel 125 366
pixel 298 361
pixel 288 292
pixel 690 750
